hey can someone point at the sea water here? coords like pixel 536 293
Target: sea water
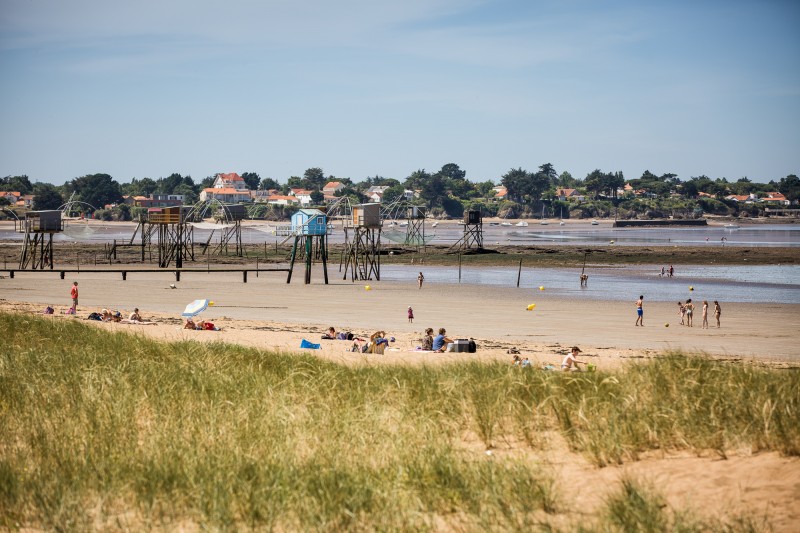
pixel 752 284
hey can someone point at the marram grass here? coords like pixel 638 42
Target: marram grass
pixel 114 431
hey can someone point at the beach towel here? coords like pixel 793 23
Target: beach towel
pixel 310 345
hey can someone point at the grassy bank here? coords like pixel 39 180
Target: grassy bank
pixel 113 431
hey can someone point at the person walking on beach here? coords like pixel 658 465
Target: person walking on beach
pixel 671 271
pixel 639 311
pixel 705 314
pixel 73 293
pixel 717 311
pixel 689 312
pixel 410 315
pixel 420 279
pixel 663 270
pixel 681 312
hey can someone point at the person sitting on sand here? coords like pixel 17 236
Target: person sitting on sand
pixel 441 341
pixel 378 338
pixel 189 324
pixel 106 315
pixel 135 316
pixel 517 361
pixel 427 340
pixel 330 334
pixel 570 362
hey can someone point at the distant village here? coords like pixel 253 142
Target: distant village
pixel 446 193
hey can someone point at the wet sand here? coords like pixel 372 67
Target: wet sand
pixel 268 313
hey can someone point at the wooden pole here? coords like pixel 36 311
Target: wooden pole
pixel 459 267
pixel 584 263
pixel 519 272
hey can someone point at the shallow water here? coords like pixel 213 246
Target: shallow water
pixel 723 283
pixel 445 234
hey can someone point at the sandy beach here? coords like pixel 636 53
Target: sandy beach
pixel 268 313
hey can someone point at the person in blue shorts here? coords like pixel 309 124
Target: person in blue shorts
pixel 639 311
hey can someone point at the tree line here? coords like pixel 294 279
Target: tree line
pixel 446 191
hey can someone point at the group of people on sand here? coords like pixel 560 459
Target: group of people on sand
pixel 685 311
pixel 568 364
pixel 668 272
pixel 439 343
pixel 199 325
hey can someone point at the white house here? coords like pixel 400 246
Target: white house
pixel 226 195
pixel 231 180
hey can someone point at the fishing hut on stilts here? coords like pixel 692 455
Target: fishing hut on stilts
pixel 310 231
pixel 473 232
pixel 37 248
pixel 174 233
pixel 229 218
pixel 362 256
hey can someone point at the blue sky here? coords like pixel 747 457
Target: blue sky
pixel 368 87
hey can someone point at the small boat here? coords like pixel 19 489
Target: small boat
pixel 561 218
pixel 505 223
pixel 543 222
pixel 731 226
pixel 595 222
pixel 522 224
pixel 435 224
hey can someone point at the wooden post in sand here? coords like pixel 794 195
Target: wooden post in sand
pixel 519 272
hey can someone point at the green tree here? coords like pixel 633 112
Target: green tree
pixel 317 197
pixel 252 180
pixel 97 190
pixel 189 194
pixel 416 180
pixel 434 190
pixel 565 180
pixel 46 197
pixel 393 193
pixel 268 183
pixel 169 184
pixel 315 178
pixel 790 187
pixel 139 187
pixel 524 186
pixel 20 184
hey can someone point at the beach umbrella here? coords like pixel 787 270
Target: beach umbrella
pixel 195 308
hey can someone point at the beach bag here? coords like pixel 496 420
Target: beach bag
pixel 305 344
pixel 49 310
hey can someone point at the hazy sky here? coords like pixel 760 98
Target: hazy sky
pixel 369 87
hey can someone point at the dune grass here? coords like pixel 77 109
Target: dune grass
pixel 103 431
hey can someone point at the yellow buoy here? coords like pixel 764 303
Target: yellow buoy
pixel 541 288
pixel 666 325
pixel 691 288
pixel 210 303
pixel 367 287
pixel 531 307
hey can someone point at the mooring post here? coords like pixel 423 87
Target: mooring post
pixel 244 274
pixel 124 275
pixel 459 267
pixel 62 274
pixel 256 266
pixel 519 272
pixel 177 275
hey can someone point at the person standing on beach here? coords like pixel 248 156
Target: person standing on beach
pixel 689 312
pixel 705 314
pixel 717 311
pixel 420 279
pixel 73 293
pixel 410 315
pixel 663 270
pixel 671 271
pixel 681 312
pixel 640 311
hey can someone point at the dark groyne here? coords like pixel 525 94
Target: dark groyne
pixel 646 223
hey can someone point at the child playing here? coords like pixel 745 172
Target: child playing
pixel 410 315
